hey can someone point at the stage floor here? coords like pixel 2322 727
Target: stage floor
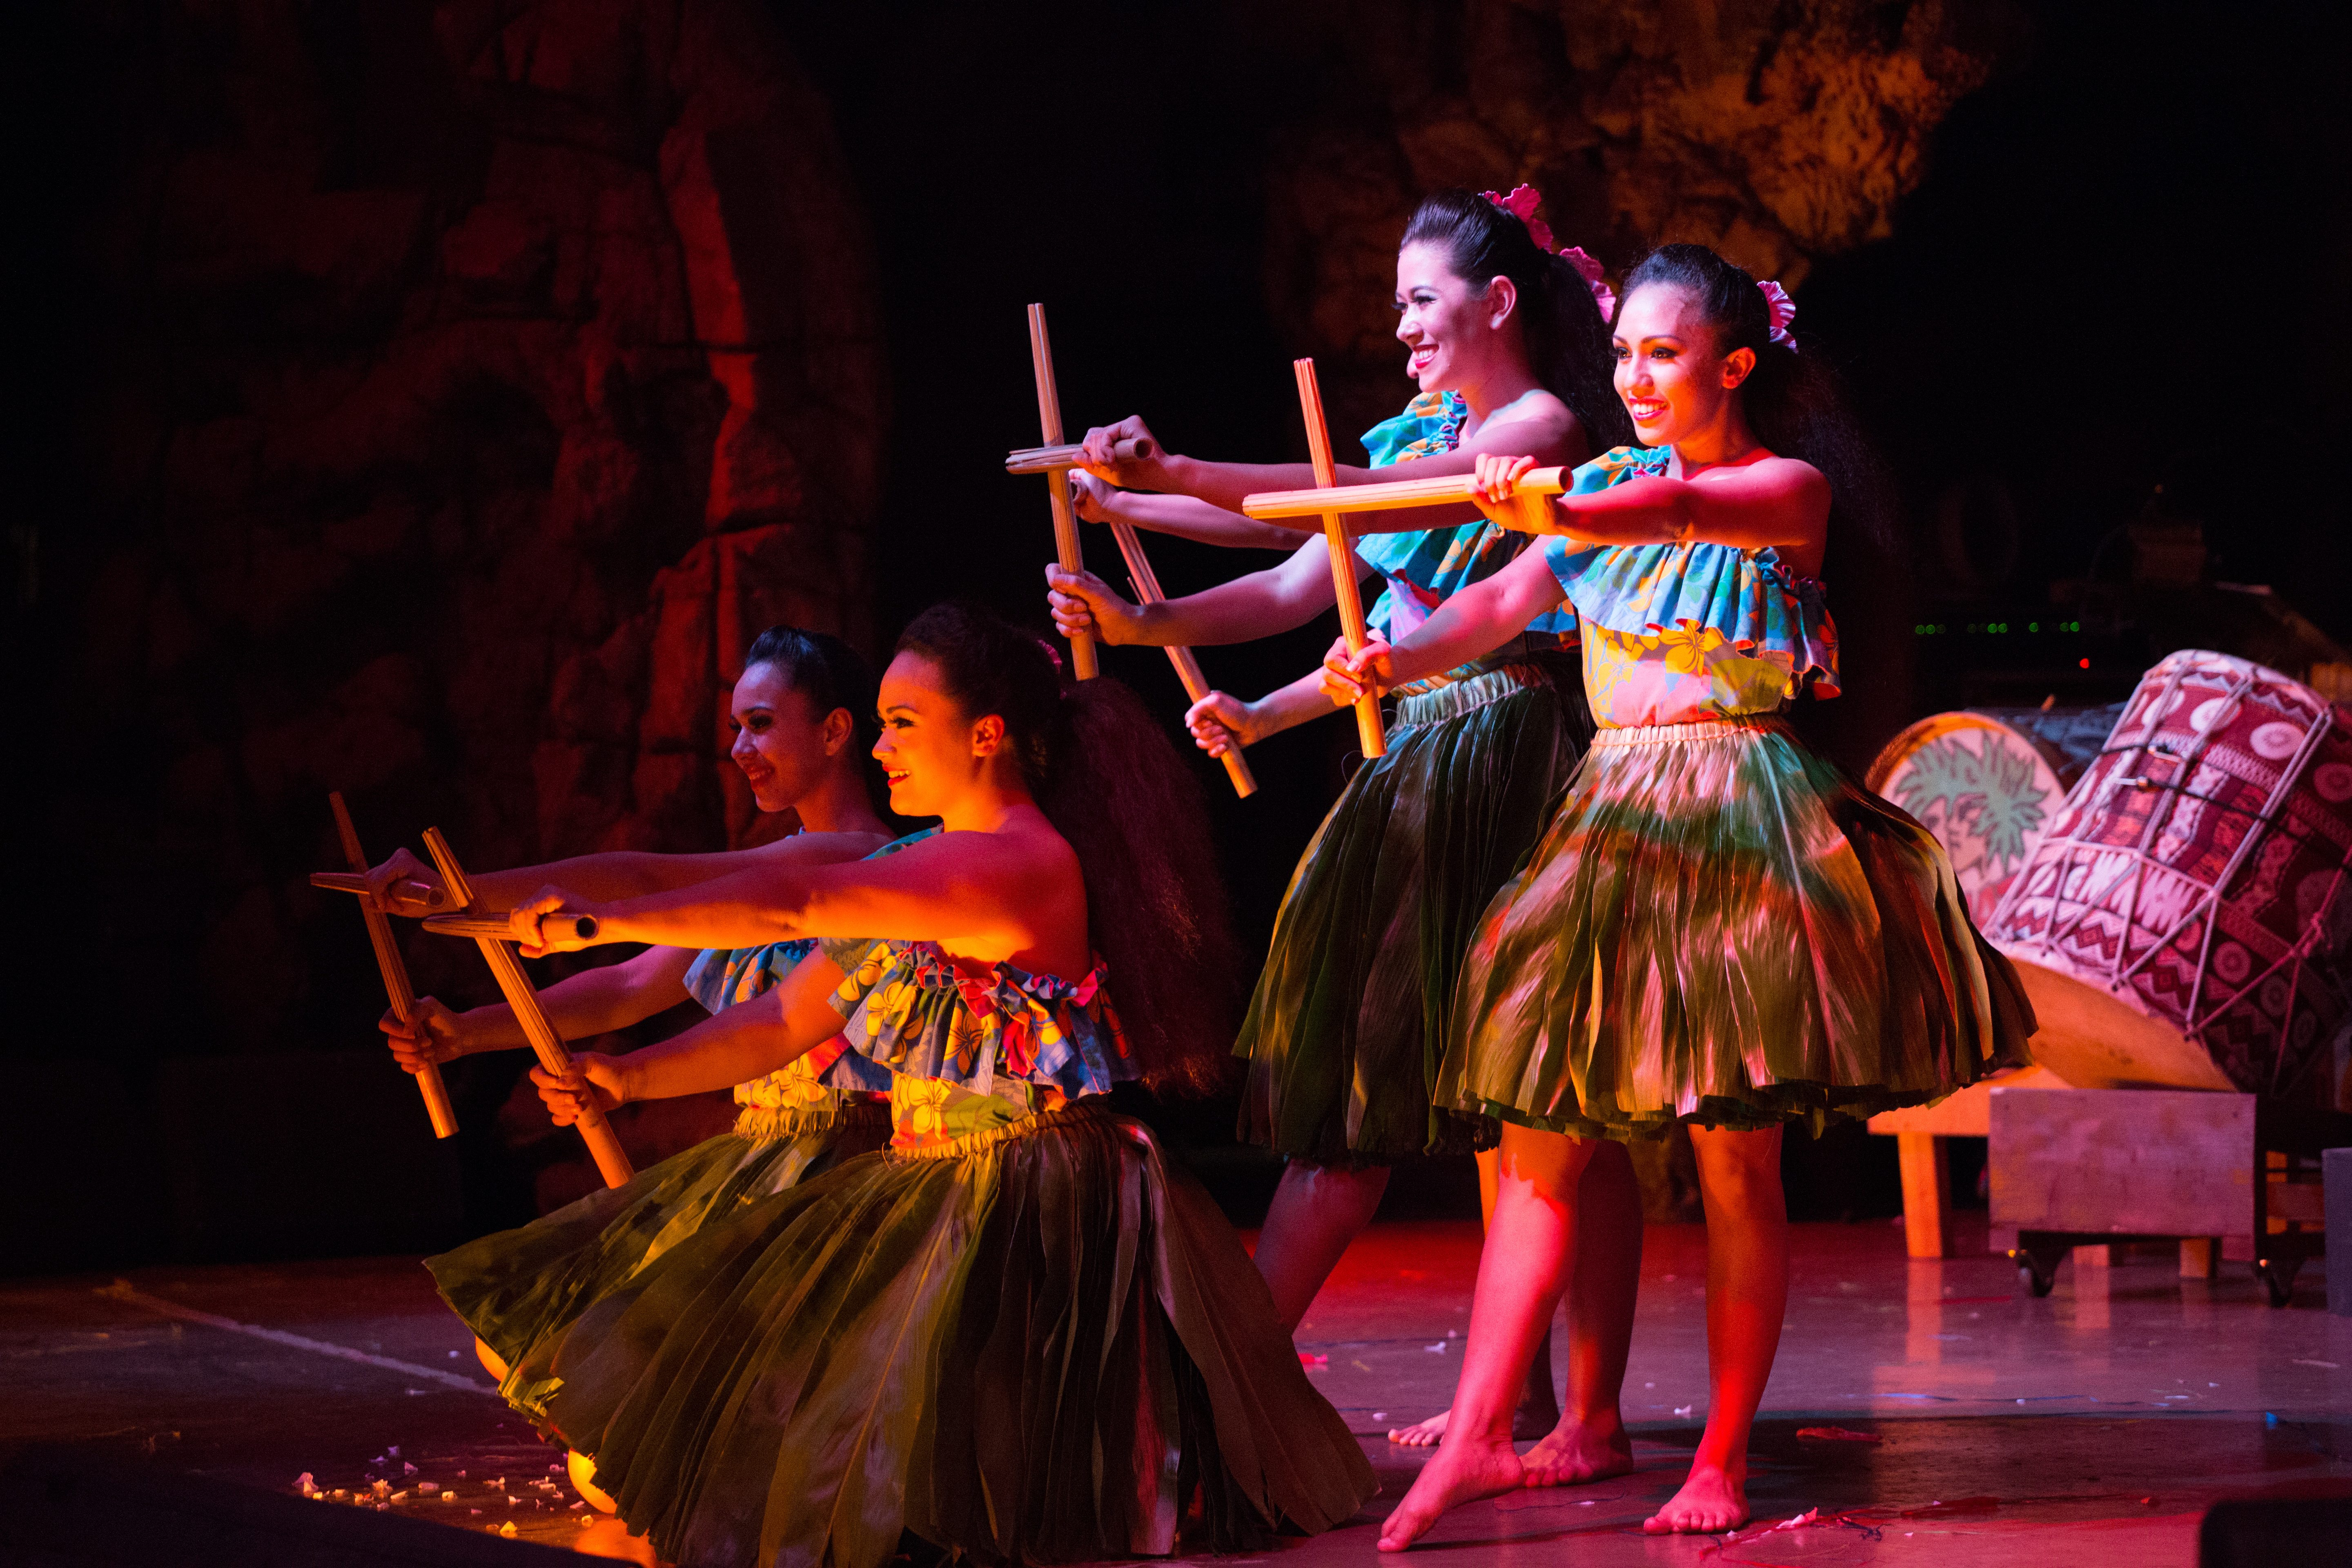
pixel 2102 1419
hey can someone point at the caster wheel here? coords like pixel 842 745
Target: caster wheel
pixel 2277 1275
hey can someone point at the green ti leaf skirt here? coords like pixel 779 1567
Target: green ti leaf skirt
pixel 1040 1343
pixel 1720 928
pixel 1354 1010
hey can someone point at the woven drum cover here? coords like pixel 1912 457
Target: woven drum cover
pixel 2197 871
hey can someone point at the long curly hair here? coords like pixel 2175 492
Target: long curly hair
pixel 1107 779
pixel 1567 341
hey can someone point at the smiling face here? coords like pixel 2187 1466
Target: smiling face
pixel 782 744
pixel 1670 374
pixel 1453 331
pixel 932 755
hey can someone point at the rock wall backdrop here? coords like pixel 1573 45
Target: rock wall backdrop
pixel 455 388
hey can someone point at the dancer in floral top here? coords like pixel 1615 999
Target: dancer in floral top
pixel 1717 928
pixel 1018 1332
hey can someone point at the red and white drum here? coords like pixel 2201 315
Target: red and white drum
pixel 1987 782
pixel 2185 920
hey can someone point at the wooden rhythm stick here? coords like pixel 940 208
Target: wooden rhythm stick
pixel 497 930
pixel 1368 729
pixel 396 974
pixel 1188 668
pixel 352 883
pixel 610 1161
pixel 1535 509
pixel 1039 459
pixel 1058 481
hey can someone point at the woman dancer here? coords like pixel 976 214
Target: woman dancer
pixel 802 712
pixel 1716 928
pixel 1016 1333
pixel 1508 344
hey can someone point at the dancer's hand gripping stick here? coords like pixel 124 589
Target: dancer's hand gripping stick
pixel 610 1161
pixel 1368 729
pixel 396 974
pixel 1057 479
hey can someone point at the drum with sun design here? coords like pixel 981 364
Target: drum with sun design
pixel 1987 782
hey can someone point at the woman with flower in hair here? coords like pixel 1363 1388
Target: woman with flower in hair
pixel 1717 928
pixel 802 712
pixel 1016 1332
pixel 1508 341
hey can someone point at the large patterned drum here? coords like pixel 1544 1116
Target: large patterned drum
pixel 1987 781
pixel 2185 920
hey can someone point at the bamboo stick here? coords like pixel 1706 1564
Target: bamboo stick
pixel 1272 505
pixel 496 927
pixel 1039 459
pixel 1188 669
pixel 610 1161
pixel 353 882
pixel 1058 481
pixel 1370 732
pixel 442 1114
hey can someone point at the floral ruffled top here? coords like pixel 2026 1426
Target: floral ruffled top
pixel 974 1046
pixel 1422 569
pixel 824 1079
pixel 1676 633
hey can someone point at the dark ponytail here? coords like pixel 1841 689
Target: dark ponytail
pixel 830 674
pixel 1567 340
pixel 1107 779
pixel 1794 402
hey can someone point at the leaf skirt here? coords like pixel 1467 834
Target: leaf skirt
pixel 1038 1342
pixel 521 1289
pixel 1720 928
pixel 1352 1012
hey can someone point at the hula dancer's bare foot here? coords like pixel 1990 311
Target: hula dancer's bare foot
pixel 1710 1502
pixel 1463 1469
pixel 1538 1413
pixel 1423 1433
pixel 1577 1451
pixel 582 1471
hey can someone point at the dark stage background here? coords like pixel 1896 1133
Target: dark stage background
pixel 426 401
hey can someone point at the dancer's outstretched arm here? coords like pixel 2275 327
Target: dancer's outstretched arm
pixel 1099 502
pixel 1258 605
pixel 725 1049
pixel 1475 621
pixel 1779 502
pixel 403 880
pixel 989 894
pixel 580 1006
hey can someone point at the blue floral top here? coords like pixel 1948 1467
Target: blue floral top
pixel 974 1046
pixel 1422 569
pixel 1673 633
pixel 720 978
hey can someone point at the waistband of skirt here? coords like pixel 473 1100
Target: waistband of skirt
pixel 781 1123
pixel 1451 695
pixel 1075 1113
pixel 1723 729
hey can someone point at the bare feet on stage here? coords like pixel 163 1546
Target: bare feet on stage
pixel 1710 1502
pixel 1462 1472
pixel 1534 1417
pixel 1576 1451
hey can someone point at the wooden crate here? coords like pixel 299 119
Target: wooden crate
pixel 2132 1162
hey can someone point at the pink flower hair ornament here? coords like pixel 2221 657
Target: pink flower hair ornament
pixel 1780 310
pixel 1595 278
pixel 1521 204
